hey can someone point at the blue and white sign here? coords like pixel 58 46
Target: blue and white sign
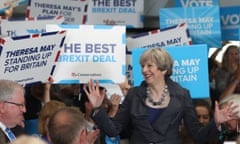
pixel 171 36
pixel 230 20
pixel 4 4
pixel 190 68
pixel 116 12
pixel 91 52
pixel 203 23
pixel 30 58
pixel 16 27
pixel 195 3
pixel 74 12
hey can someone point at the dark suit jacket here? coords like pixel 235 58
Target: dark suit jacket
pixel 3 138
pixel 164 130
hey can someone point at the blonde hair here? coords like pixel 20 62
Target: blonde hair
pixel 27 139
pixel 47 110
pixel 160 57
pixel 235 98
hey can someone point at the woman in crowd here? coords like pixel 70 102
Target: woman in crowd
pixel 156 107
pixel 228 76
pixel 110 106
pixel 48 109
pixel 203 110
pixel 204 114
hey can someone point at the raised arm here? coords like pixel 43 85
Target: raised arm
pixel 93 94
pixel 9 12
pixel 115 101
pixel 231 87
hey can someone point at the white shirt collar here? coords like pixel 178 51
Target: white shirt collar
pixel 2 126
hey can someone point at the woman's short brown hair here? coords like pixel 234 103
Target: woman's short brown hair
pixel 160 57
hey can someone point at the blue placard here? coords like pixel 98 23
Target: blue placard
pixel 195 3
pixel 190 68
pixel 203 23
pixel 230 21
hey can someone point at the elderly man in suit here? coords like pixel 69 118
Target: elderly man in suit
pixel 12 108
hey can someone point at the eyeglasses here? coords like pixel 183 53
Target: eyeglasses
pixel 17 104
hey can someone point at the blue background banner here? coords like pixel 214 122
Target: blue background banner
pixel 230 21
pixel 190 68
pixel 203 23
pixel 195 3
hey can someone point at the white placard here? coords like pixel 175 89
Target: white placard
pixel 124 12
pixel 17 27
pixel 74 12
pixel 30 58
pixel 91 52
pixel 172 36
pixel 113 89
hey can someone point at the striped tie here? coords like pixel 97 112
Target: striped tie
pixel 10 134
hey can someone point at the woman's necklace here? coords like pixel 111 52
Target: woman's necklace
pixel 162 99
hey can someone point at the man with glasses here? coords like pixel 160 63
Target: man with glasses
pixel 12 108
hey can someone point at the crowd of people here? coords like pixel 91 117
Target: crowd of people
pixel 158 111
